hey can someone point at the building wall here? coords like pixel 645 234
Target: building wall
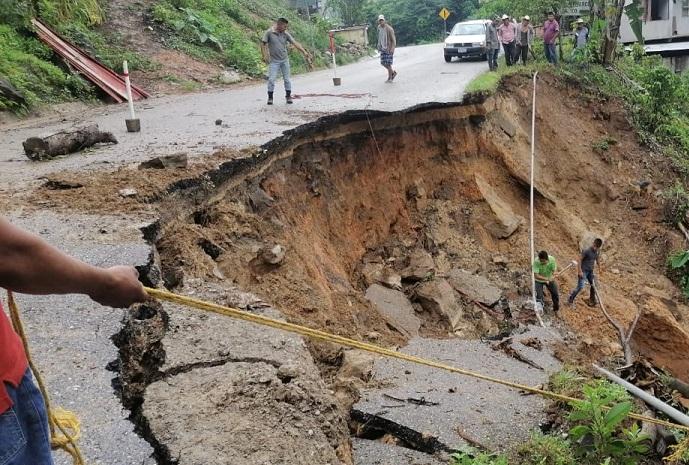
pixel 357 36
pixel 663 20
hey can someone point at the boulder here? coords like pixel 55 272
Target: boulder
pixel 10 93
pixel 272 254
pixel 438 297
pixel 420 267
pixel 178 160
pixel 229 77
pixel 506 222
pixel 356 364
pixel 475 287
pixel 396 309
pixel 378 273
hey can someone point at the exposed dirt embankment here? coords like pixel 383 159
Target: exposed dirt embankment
pixel 450 181
pixel 387 226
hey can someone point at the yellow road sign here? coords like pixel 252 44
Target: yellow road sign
pixel 444 13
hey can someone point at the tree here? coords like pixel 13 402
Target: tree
pixel 418 21
pixel 351 12
pixel 537 9
pixel 613 18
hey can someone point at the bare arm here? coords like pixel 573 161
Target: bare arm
pixel 30 265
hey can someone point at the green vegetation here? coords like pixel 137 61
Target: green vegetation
pixel 414 21
pixel 544 449
pixel 604 144
pixel 679 267
pixel 475 457
pixel 599 430
pixel 229 31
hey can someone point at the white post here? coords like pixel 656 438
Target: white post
pixel 532 257
pixel 334 63
pixel 128 85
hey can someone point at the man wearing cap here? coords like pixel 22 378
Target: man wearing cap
pixel 492 43
pixel 274 49
pixel 581 35
pixel 386 46
pixel 507 33
pixel 525 37
pixel 551 31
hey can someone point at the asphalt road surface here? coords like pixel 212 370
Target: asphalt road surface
pixel 186 123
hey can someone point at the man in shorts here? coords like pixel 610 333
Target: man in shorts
pixel 386 46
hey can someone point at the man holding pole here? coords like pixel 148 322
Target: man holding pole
pixel 274 49
pixel 544 268
pixel 386 46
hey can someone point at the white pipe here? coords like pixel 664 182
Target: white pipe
pixel 671 412
pixel 128 85
pixel 536 305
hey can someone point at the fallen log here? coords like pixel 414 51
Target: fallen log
pixel 65 142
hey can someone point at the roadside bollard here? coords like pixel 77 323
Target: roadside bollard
pixel 133 123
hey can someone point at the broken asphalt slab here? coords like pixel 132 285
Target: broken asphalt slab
pixel 492 414
pixel 251 395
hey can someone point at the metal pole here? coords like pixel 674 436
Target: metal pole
pixel 671 412
pixel 536 305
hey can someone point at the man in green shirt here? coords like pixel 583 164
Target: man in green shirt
pixel 544 269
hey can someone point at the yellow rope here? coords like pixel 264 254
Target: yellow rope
pixel 58 419
pixel 371 348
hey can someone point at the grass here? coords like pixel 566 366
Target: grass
pixel 489 82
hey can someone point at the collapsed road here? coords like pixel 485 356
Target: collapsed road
pixel 405 229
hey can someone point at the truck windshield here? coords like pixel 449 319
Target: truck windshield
pixel 468 29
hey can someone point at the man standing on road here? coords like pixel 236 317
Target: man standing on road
pixel 30 265
pixel 551 31
pixel 274 49
pixel 492 44
pixel 386 46
pixel 507 33
pixel 544 269
pixel 589 258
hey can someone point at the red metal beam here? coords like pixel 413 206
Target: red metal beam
pixel 102 76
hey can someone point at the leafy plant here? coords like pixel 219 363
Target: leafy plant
pixel 679 266
pixel 472 456
pixel 546 450
pixel 599 433
pixel 604 144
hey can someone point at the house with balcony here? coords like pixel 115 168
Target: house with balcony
pixel 665 28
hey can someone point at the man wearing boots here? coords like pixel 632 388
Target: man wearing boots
pixel 274 49
pixel 589 258
pixel 492 43
pixel 544 269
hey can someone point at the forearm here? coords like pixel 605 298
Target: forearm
pixel 28 264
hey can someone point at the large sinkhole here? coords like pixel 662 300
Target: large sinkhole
pixel 383 227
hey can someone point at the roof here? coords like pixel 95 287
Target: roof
pixel 667 47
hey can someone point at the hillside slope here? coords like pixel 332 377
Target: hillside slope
pixel 171 45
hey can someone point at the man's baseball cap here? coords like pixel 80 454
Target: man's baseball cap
pixel 580 21
pixel 505 17
pixel 381 17
pixel 527 18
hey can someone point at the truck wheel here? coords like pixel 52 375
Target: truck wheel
pixel 448 58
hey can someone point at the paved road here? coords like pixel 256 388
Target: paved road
pixel 187 123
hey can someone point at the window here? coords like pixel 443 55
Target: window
pixel 685 8
pixel 660 10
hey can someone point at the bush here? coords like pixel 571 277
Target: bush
pixel 676 203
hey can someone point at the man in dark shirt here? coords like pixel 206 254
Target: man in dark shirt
pixel 589 258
